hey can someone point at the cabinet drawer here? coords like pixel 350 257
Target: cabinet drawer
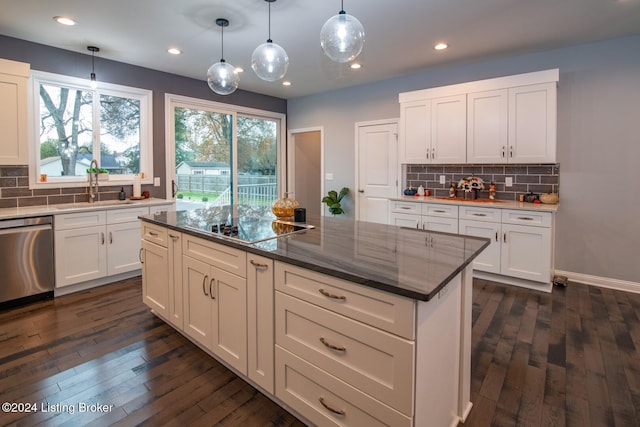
pixel 326 400
pixel 445 211
pixel 480 214
pixel 405 207
pixel 221 256
pixel 442 224
pixel 367 358
pixel 538 219
pixel 154 233
pixel 380 309
pixel 80 219
pixel 116 216
pixel 159 208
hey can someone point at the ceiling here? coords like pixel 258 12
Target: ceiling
pixel 400 34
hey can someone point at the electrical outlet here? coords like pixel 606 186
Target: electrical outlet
pixel 443 179
pixel 508 181
pixel 156 181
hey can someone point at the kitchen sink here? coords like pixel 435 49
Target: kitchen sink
pixel 85 205
pixel 462 199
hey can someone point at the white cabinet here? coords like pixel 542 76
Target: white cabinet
pixel 96 244
pixel 521 243
pixel 215 299
pixel 260 328
pixel 13 112
pixel 425 216
pixel 347 332
pixel 532 124
pixel 162 272
pixel 504 120
pixel 433 130
pixel 487 119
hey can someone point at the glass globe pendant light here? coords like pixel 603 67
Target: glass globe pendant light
pixel 269 60
pixel 222 77
pixel 342 37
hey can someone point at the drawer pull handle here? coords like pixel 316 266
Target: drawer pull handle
pixel 331 346
pixel 258 264
pixel 110 238
pixel 479 214
pixel 330 295
pixel 439 211
pixel 140 256
pixel 204 290
pixel 173 237
pixel 102 238
pixel 525 218
pixel 405 207
pixel 496 236
pixel 153 233
pixel 504 237
pixel 335 411
pixel 211 294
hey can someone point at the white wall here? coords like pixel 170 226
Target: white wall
pixel 598 223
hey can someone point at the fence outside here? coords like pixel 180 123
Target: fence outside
pixel 253 190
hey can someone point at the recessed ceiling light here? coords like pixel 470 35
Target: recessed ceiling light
pixel 64 20
pixel 174 51
pixel 239 70
pixel 441 46
pixel 356 66
pixel 286 83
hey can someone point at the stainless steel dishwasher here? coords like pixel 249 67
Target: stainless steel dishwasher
pixel 26 260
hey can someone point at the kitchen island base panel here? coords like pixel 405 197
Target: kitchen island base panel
pixel 78 287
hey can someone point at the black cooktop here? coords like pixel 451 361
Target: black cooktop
pixel 245 229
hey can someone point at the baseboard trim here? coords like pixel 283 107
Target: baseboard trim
pixel 603 282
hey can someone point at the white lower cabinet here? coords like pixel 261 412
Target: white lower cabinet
pixel 96 244
pixel 215 300
pixel 521 242
pixel 425 216
pixel 260 323
pixel 162 272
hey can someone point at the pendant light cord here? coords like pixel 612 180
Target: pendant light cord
pixel 269 39
pixel 222 40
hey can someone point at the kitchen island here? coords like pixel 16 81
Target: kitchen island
pixel 346 323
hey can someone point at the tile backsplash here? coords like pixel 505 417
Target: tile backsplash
pixel 536 178
pixel 15 191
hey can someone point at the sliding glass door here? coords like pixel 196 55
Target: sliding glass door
pixel 224 157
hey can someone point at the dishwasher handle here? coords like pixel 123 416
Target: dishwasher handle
pixel 25 222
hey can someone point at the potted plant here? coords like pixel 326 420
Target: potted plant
pixel 333 199
pixel 103 174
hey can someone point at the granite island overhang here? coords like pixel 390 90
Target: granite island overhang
pixel 347 323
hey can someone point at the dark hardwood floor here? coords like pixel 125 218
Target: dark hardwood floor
pixel 566 358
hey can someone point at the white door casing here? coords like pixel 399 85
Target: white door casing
pixel 376 169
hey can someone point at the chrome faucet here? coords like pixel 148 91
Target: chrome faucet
pixel 93 181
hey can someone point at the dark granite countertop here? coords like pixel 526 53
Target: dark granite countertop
pixel 404 261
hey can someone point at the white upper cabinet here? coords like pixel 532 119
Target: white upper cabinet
pixel 532 124
pixel 415 132
pixel 503 120
pixel 433 130
pixel 487 116
pixel 448 129
pixel 13 112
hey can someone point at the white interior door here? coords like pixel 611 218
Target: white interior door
pixel 377 166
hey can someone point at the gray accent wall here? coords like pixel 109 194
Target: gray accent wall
pixel 65 62
pixel 598 222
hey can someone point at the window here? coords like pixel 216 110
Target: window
pixel 74 124
pixel 242 149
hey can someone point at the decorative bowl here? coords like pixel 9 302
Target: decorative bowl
pixel 549 198
pixel 410 191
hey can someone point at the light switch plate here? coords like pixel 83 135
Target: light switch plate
pixel 328 176
pixel 443 179
pixel 508 181
pixel 156 181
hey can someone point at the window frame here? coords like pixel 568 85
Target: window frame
pixel 145 96
pixel 171 101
